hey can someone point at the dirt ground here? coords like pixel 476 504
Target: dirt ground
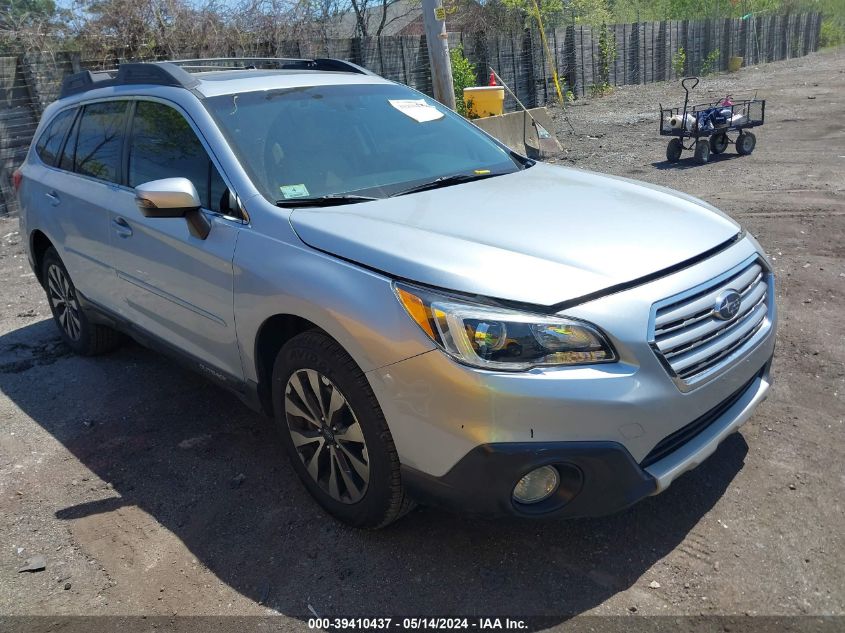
pixel 150 492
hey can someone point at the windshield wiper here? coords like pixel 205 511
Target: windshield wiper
pixel 325 201
pixel 445 181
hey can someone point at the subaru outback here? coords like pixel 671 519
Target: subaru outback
pixel 427 315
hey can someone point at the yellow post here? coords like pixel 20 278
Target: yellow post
pixel 548 52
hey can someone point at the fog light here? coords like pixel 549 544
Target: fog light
pixel 537 485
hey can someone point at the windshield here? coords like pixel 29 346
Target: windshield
pixel 365 140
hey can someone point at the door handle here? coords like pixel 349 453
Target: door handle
pixel 121 227
pixel 53 197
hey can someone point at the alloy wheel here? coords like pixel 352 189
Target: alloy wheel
pixel 327 435
pixel 64 302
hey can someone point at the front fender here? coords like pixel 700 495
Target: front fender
pixel 275 273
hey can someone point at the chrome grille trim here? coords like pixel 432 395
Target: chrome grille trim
pixel 680 340
pixel 692 343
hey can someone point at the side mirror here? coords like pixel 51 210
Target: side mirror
pixel 167 198
pixel 173 198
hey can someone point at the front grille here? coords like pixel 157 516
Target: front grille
pixel 680 437
pixel 690 337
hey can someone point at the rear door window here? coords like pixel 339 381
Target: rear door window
pixel 99 140
pixel 50 142
pixel 165 146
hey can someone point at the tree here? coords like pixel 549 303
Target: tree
pixel 372 16
pixel 26 23
pixel 15 13
pixel 151 28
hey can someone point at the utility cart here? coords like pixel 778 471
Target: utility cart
pixel 705 128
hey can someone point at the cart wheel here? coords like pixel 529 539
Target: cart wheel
pixel 745 143
pixel 673 150
pixel 718 143
pixel 702 151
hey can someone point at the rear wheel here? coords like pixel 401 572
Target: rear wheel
pixel 77 330
pixel 702 151
pixel 745 143
pixel 673 150
pixel 335 433
pixel 718 143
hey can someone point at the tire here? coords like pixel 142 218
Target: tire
pixel 78 332
pixel 718 143
pixel 343 453
pixel 702 152
pixel 673 150
pixel 745 143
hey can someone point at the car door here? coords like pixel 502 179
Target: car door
pixel 172 284
pixel 78 187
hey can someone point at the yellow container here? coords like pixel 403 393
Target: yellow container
pixel 734 64
pixel 484 101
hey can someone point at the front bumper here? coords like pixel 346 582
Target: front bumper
pixel 597 478
pixel 443 415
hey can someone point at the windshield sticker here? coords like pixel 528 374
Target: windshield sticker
pixel 294 191
pixel 418 109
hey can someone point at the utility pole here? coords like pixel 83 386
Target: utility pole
pixel 434 16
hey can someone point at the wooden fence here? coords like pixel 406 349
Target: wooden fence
pixel 585 58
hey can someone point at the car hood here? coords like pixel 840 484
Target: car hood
pixel 543 235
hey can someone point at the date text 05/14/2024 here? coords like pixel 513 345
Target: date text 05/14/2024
pixel 422 623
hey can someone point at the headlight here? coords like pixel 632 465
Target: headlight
pixel 502 339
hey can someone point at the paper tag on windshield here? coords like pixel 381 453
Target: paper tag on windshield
pixel 417 109
pixel 294 191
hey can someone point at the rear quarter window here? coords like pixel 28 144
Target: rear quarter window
pixel 50 142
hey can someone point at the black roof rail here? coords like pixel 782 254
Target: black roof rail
pixel 320 64
pixel 175 73
pixel 159 73
pixel 341 65
pixel 82 81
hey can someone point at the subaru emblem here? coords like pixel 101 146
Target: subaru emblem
pixel 727 305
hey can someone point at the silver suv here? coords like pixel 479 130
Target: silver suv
pixel 426 314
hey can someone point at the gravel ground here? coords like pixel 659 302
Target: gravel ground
pixel 150 492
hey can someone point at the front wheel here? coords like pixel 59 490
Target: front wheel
pixel 673 150
pixel 745 143
pixel 335 433
pixel 77 330
pixel 718 143
pixel 702 151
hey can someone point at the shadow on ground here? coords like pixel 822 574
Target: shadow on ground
pixel 125 415
pixel 688 162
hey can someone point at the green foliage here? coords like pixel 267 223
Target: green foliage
pixel 592 11
pixel 832 32
pixel 550 10
pixel 21 8
pixel 711 63
pixel 607 55
pixel 463 76
pixel 569 97
pixel 595 12
pixel 653 10
pixel 17 13
pixel 679 61
pixel 557 12
pixel 600 90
